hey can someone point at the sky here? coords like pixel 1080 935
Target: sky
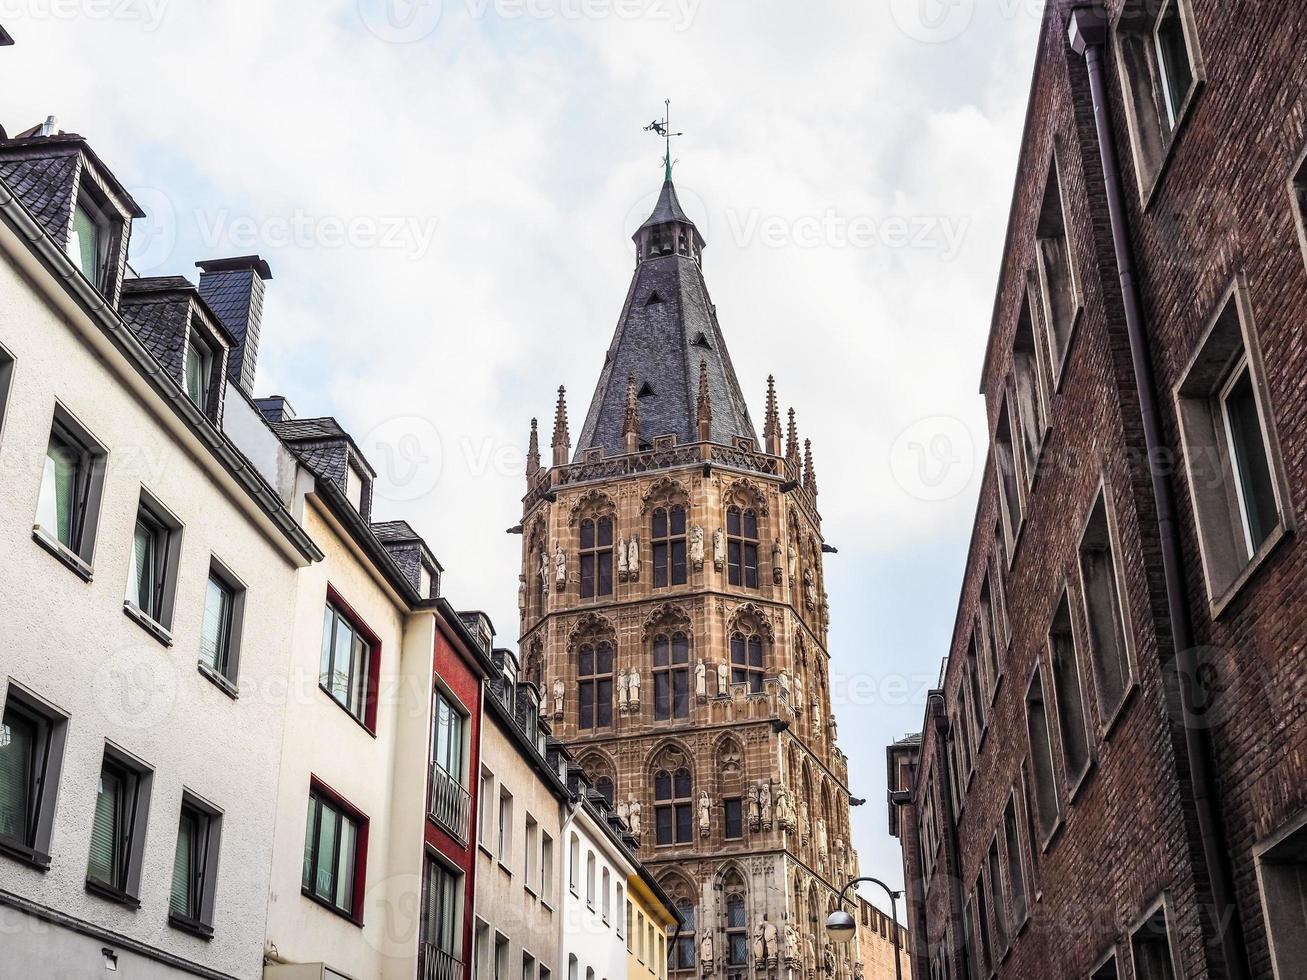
pixel 445 192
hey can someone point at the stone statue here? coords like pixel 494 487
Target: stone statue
pixel 777 570
pixel 825 610
pixel 760 944
pixel 560 690
pixel 705 814
pixel 696 547
pixel 623 690
pixel 755 809
pixel 769 936
pixel 798 694
pixel 633 558
pixel 805 824
pixel 784 679
pixel 633 686
pixel 521 595
pixel 857 970
pixel 834 728
pixel 701 681
pixel 791 946
pixel 624 811
pixel 622 566
pixel 764 802
pixel 706 963
pixel 633 817
pixel 719 549
pixel 809 589
pixel 823 842
pixel 839 854
pixel 560 568
pixel 785 809
pixel 794 562
pixel 812 951
pixel 828 959
pixel 544 572
pixel 723 679
pixel 816 720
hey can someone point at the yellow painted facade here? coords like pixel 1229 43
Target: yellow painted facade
pixel 650 928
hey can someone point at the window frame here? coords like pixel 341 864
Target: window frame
pixel 1289 835
pixel 735 803
pixel 43 786
pixel 669 703
pixel 79 553
pixel 368 719
pixel 1297 186
pixel 90 200
pixel 670 550
pixel 198 347
pixel 1215 361
pixel 1046 829
pixel 324 796
pixel 594 682
pixel 595 560
pixel 674 806
pixel 165 530
pixel 7 369
pixel 1074 778
pixel 200 924
pixel 227 675
pixel 741 548
pixel 434 864
pixel 1160 905
pixel 125 889
pixel 1108 714
pixel 1058 354
pixel 744 673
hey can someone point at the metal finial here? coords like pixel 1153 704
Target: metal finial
pixel 663 127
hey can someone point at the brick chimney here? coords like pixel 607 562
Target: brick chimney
pixel 234 288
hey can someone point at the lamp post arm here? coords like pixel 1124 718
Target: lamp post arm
pixel 894 911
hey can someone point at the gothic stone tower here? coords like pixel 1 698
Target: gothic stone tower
pixel 674 615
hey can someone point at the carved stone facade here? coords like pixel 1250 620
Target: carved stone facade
pixel 703 706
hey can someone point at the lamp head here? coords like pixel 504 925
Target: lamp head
pixel 840 926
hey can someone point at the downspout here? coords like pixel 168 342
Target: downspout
pixel 935 711
pixel 1088 34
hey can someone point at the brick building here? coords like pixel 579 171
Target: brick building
pixel 1110 779
pixel 673 611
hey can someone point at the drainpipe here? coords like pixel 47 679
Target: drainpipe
pixel 1088 35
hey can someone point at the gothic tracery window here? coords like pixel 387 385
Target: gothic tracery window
pixel 596 557
pixel 742 547
pixel 595 677
pixel 737 923
pixel 673 807
pixel 604 786
pixel 671 673
pixel 667 535
pixel 685 951
pixel 746 661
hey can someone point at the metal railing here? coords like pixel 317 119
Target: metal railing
pixel 436 964
pixel 448 803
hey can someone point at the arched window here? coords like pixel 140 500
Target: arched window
pixel 742 547
pixel 746 661
pixel 685 950
pixel 595 677
pixel 596 557
pixel 590 879
pixel 737 924
pixel 606 902
pixel 671 672
pixel 604 785
pixel 574 864
pixel 673 807
pixel 668 541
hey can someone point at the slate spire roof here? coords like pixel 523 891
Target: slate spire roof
pixel 667 329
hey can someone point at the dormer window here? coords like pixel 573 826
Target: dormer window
pixel 353 487
pixel 199 370
pixel 88 241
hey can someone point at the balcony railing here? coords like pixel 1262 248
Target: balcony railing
pixel 448 803
pixel 435 964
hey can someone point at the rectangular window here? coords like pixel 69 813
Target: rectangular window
pixel 333 857
pixel 546 867
pixel 152 564
pixel 501 957
pixel 1106 971
pixel 528 967
pixel 199 370
pixel 1057 280
pixel 220 626
pixel 989 953
pixel 1016 877
pixel 1010 492
pixel 1282 873
pixel 442 925
pixel 596 557
pixel 1161 73
pixel 72 479
pixel 6 379
pixel 532 856
pixel 122 801
pixel 447 748
pixel 1028 373
pixel 734 819
pixel 346 667
pixel 481 951
pixel 504 842
pixel 574 864
pixel 89 241
pixel 195 867
pixel 1150 947
pixel 1297 193
pixel 978 952
pixel 1105 611
pixel 1073 721
pixel 994 868
pixel 485 815
pixel 31 757
pixel 1236 475
pixel 1041 760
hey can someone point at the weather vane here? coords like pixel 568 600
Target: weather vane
pixel 663 128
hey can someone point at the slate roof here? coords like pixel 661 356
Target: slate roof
pixel 668 209
pixel 395 531
pixel 45 186
pixel 667 327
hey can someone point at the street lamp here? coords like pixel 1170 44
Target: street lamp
pixel 841 927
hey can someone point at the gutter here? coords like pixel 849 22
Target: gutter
pixel 1088 35
pixel 112 325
